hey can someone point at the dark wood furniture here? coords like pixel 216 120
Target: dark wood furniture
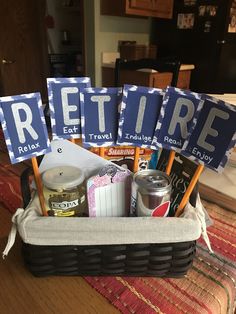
pixel 146 78
pixel 166 66
pixel 154 8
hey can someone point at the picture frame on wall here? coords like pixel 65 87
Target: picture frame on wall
pixel 185 20
pixel 190 3
pixel 232 18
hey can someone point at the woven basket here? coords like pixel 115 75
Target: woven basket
pixel 160 260
pixel 107 247
pixel 98 246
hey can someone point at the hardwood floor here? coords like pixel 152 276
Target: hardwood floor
pixel 22 293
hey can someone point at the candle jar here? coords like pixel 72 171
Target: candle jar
pixel 65 191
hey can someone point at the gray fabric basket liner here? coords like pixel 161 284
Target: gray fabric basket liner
pixel 38 230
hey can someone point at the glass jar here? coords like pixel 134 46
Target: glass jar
pixel 65 191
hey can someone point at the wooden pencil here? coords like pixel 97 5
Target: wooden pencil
pixel 170 162
pixel 39 185
pixel 136 159
pixel 102 152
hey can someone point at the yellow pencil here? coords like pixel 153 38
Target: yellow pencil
pixel 72 140
pixel 170 162
pixel 39 185
pixel 102 152
pixel 136 159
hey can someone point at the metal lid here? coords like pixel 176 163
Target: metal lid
pixel 153 180
pixel 62 177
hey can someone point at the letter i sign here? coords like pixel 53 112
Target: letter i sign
pixel 24 126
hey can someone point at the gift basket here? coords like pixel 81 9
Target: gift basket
pixel 130 246
pixel 89 216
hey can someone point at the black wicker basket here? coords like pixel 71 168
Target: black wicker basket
pixel 160 260
pixel 136 259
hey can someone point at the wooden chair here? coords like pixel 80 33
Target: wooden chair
pixel 62 64
pixel 161 65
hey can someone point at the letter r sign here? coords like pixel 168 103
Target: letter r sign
pixel 24 126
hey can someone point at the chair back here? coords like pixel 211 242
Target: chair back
pixel 161 65
pixel 62 64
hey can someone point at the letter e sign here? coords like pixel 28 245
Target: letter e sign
pixel 214 134
pixel 64 105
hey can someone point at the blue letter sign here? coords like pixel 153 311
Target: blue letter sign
pixel 176 117
pixel 140 109
pixel 99 116
pixel 64 104
pixel 24 126
pixel 213 135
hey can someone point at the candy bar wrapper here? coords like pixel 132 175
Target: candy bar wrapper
pixel 124 156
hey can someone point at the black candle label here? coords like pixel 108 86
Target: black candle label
pixel 181 175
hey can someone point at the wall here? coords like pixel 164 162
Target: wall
pixel 102 34
pixel 66 18
pixel 89 29
pixel 53 33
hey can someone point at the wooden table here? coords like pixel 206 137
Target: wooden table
pixel 220 188
pixel 21 293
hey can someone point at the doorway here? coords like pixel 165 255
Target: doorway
pixel 65 28
pixel 23 47
pixel 34 36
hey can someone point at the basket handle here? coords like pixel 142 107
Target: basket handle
pixel 25 186
pixel 25 183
